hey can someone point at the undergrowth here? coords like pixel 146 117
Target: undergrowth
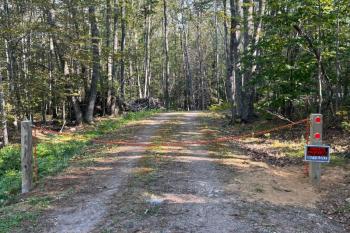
pixel 220 107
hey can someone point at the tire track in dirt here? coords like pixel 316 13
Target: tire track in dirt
pixel 185 189
pixel 177 189
pixel 82 212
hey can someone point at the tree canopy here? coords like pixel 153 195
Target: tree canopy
pixel 71 60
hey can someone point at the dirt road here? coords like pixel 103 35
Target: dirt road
pixel 187 188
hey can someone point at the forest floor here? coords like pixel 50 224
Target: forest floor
pixel 184 187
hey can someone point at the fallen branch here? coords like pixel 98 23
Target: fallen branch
pixel 64 124
pixel 278 116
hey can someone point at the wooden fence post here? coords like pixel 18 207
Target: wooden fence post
pixel 26 156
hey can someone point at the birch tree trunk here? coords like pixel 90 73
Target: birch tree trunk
pixel 228 81
pixel 216 59
pixel 235 42
pixel 319 63
pixel 166 51
pixel 200 61
pixel 186 60
pixel 113 110
pixel 109 64
pixel 147 55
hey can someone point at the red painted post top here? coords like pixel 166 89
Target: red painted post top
pixel 317 136
pixel 318 120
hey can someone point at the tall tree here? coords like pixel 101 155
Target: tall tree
pixel 113 110
pixel 95 34
pixel 122 51
pixel 166 53
pixel 69 60
pixel 3 114
pixel 110 51
pixel 147 43
pixel 235 81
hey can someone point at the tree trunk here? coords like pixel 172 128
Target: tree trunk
pixel 338 67
pixel 235 82
pixel 166 51
pixel 73 99
pixel 122 49
pixel 228 82
pixel 319 62
pixel 216 59
pixel 320 88
pixel 248 30
pixel 77 110
pixel 113 110
pixel 3 115
pixel 187 65
pixel 200 61
pixel 109 65
pixel 95 34
pixel 147 55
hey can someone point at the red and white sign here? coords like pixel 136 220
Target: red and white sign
pixel 315 153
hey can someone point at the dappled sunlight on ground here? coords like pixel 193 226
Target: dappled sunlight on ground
pixel 150 186
pixel 183 198
pixel 174 198
pixel 255 181
pixel 242 163
pixel 142 170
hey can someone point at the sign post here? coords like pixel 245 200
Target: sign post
pixel 316 153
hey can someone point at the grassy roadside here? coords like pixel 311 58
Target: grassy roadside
pixel 54 155
pixel 286 144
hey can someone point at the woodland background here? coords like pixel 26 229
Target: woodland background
pixel 73 60
pixel 70 62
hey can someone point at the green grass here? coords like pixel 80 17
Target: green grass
pixel 220 107
pixel 26 211
pixel 343 209
pixel 338 159
pixel 12 219
pixel 54 154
